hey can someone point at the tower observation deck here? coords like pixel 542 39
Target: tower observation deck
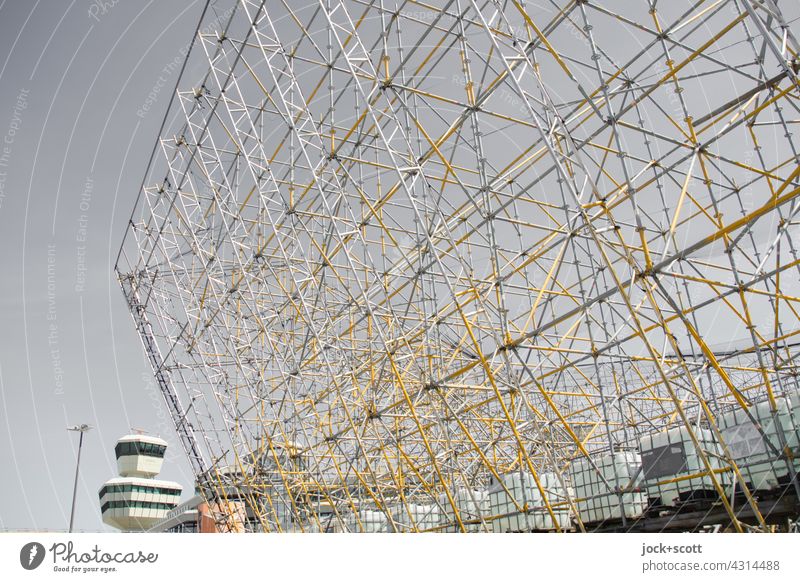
pixel 135 500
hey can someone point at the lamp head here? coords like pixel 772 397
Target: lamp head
pixel 80 427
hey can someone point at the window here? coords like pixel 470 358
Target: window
pixel 130 488
pixel 140 448
pixel 137 504
pixel 185 527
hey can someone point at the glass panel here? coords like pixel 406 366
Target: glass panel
pixel 137 448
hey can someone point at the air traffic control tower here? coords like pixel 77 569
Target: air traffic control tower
pixel 135 500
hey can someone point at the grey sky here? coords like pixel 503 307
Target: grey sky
pixel 75 78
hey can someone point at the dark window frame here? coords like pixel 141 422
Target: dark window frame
pixel 138 448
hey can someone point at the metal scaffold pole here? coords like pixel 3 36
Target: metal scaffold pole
pixel 479 265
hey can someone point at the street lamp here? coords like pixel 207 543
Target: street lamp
pixel 81 428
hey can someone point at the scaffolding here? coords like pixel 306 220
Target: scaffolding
pixel 387 252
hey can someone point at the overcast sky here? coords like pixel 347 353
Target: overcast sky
pixel 75 80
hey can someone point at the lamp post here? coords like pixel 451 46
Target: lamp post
pixel 80 428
